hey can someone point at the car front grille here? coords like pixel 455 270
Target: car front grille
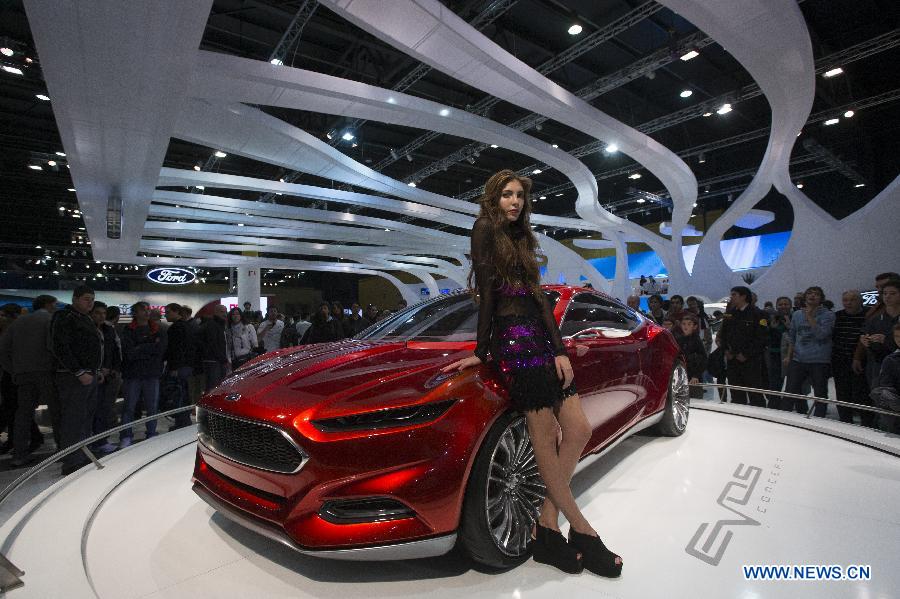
pixel 248 442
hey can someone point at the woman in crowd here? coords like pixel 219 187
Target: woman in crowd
pixel 695 306
pixel 518 333
pixel 240 337
pixel 656 312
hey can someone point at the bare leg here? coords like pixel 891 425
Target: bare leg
pixel 576 431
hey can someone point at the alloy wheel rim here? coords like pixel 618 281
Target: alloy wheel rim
pixel 681 397
pixel 515 490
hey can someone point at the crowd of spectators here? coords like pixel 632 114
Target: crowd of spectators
pixel 795 345
pixel 79 360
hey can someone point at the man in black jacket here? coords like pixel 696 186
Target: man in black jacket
pixel 78 348
pixel 179 364
pixel 212 346
pixel 108 389
pixel 745 337
pixel 143 348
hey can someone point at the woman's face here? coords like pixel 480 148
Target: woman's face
pixel 783 305
pixel 512 200
pixel 235 317
pixel 688 326
pixel 654 304
pixel 676 305
pixel 693 306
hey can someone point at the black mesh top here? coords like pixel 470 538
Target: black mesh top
pixel 498 300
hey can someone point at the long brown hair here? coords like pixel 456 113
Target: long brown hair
pixel 513 242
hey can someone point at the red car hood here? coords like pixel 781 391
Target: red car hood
pixel 334 379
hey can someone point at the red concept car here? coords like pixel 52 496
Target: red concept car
pixel 363 449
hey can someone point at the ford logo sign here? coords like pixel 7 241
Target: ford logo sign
pixel 171 275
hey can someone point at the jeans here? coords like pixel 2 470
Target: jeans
pixel 147 390
pixel 213 373
pixel 77 403
pixel 105 417
pixel 35 389
pixel 797 373
pixel 853 388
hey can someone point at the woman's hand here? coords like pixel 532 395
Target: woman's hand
pixel 462 364
pixel 564 371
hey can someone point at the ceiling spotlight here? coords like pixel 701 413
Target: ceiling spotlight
pixel 848 114
pixel 470 159
pixel 641 200
pixel 558 195
pixel 412 183
pixel 707 114
pixel 277 62
pixel 35 167
pixel 554 146
pixel 725 109
pixel 409 157
pixel 444 112
pixel 689 55
pixel 701 158
pixel 201 187
pixel 220 154
pixel 536 171
pixel 240 224
pixel 612 148
pixel 197 167
pixel 634 176
pixel 42 97
pixel 354 144
pixel 495 146
pixel 542 198
pixel 833 121
pixel 6 51
pixel 686 93
pixel 348 136
pixel 860 185
pixel 330 134
pixel 833 72
pixel 575 29
pixel 63 154
pixel 695 204
pixel 12 70
pixel 799 185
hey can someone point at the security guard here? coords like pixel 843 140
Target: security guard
pixel 745 337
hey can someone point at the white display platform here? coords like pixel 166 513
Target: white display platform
pixel 785 496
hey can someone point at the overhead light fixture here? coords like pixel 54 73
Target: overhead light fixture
pixel 42 97
pixel 833 121
pixel 277 62
pixel 634 176
pixel 707 114
pixel 470 159
pixel 689 55
pixel 354 144
pixel 725 109
pixel 63 154
pixel 35 167
pixel 330 134
pixel 412 183
pixel 6 51
pixel 444 112
pixel 495 146
pixel 554 146
pixel 201 187
pixel 240 224
pixel 849 114
pixel 860 185
pixel 70 189
pixel 348 136
pixel 197 167
pixel 575 29
pixel 558 195
pixel 799 185
pixel 833 72
pixel 12 70
pixel 51 163
pixel 220 154
pixel 695 204
pixel 641 200
pixel 409 157
pixel 542 198
pixel 701 158
pixel 536 171
pixel 686 93
pixel 612 148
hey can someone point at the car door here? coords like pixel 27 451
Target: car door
pixel 598 335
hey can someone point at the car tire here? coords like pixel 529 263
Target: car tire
pixel 678 403
pixel 503 497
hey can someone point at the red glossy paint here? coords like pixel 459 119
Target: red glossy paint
pixel 423 466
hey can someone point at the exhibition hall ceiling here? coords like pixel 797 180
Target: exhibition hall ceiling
pixel 638 62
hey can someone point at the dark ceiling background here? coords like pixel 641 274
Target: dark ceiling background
pixel 38 209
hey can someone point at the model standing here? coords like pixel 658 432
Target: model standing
pixel 518 334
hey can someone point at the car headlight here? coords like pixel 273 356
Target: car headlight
pixel 390 418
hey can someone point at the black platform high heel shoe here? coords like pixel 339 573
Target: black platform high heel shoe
pixel 551 548
pixel 595 556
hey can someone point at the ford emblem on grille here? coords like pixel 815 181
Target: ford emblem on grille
pixel 232 397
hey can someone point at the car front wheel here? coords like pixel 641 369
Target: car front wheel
pixel 503 497
pixel 678 403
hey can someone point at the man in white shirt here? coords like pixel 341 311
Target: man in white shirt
pixel 269 332
pixel 302 325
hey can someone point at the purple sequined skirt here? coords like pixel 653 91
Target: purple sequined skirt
pixel 526 363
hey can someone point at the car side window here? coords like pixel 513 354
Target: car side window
pixel 592 311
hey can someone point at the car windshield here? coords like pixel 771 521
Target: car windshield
pixel 450 318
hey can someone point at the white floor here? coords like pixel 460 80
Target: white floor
pixel 788 496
